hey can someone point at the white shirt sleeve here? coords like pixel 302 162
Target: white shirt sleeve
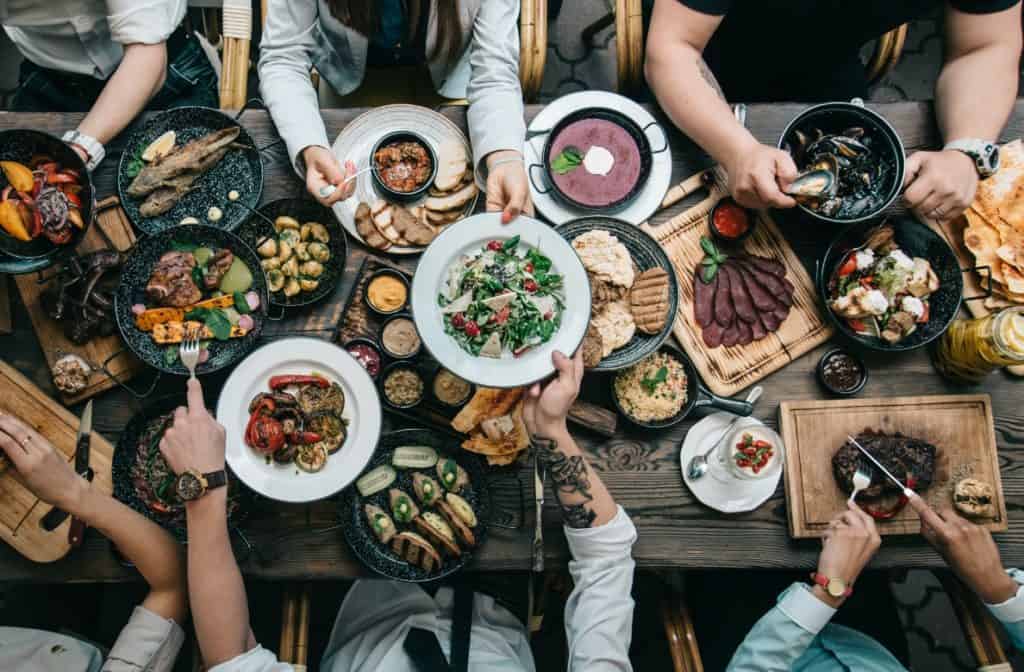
pixel 253 660
pixel 1011 612
pixel 144 21
pixel 782 635
pixel 599 612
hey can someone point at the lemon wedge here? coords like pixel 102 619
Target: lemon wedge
pixel 1013 333
pixel 159 147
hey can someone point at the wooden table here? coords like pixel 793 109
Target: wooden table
pixel 641 470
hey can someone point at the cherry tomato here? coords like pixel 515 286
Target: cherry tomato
pixel 501 317
pixel 529 267
pixel 530 286
pixel 925 315
pixel 494 245
pixel 857 325
pixel 761 443
pixel 849 266
pixel 458 320
pixel 472 330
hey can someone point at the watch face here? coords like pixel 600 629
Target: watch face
pixel 188 487
pixel 836 587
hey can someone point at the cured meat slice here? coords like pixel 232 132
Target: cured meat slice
pixel 712 335
pixel 790 289
pixel 781 314
pixel 741 300
pixel 772 266
pixel 703 298
pixel 771 283
pixel 724 312
pixel 746 332
pixel 731 335
pixel 771 322
pixel 758 330
pixel 761 298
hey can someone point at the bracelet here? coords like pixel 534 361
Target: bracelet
pixel 510 159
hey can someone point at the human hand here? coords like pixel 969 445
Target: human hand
pixel 940 185
pixel 968 549
pixel 508 189
pixel 322 170
pixel 195 440
pixel 43 470
pixel 848 545
pixel 758 174
pixel 545 410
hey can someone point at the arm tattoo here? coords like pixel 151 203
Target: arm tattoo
pixel 571 481
pixel 709 77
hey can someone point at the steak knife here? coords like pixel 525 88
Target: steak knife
pixel 907 492
pixel 82 446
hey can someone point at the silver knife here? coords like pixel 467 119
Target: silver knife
pixel 538 531
pixel 82 446
pixel 907 492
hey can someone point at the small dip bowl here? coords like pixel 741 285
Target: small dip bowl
pixel 396 337
pixel 449 389
pixel 398 385
pixel 730 222
pixel 378 179
pixel 730 448
pixel 367 354
pixel 842 373
pixel 386 279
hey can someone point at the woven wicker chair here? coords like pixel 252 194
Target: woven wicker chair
pixel 979 628
pixel 629 45
pixel 533 37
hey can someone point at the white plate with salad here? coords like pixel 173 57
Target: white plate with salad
pixel 492 302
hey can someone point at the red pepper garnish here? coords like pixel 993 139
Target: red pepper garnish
pixel 857 325
pixel 303 438
pixel 73 199
pixel 849 266
pixel 278 382
pixel 887 514
pixel 60 178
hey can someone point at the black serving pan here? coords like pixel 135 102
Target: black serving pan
pixel 639 136
pixel 24 257
pixel 833 118
pixel 135 274
pixel 916 240
pixel 697 396
pixel 647 254
pixel 125 453
pixel 240 170
pixel 361 538
pixel 254 229
pixel 393 194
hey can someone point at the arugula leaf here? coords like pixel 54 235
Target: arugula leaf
pixel 567 161
pixel 241 304
pixel 134 168
pixel 510 244
pixel 651 384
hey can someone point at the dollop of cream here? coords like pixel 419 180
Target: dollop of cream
pixel 598 161
pixel 214 214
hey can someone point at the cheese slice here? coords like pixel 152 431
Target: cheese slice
pixel 492 348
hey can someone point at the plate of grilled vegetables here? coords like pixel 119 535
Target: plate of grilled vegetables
pixel 419 511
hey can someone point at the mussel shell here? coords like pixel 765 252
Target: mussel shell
pixel 817 183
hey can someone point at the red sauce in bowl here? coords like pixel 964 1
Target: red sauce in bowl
pixel 587 188
pixel 730 220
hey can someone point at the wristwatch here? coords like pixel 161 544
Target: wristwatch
pixel 835 587
pixel 191 484
pixel 93 147
pixel 984 153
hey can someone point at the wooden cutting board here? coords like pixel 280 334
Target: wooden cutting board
pixel 20 510
pixel 111 220
pixel 726 371
pixel 960 426
pixel 5 306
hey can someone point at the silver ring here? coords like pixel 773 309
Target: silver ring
pixel 327 190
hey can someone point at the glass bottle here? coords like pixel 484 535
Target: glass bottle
pixel 972 349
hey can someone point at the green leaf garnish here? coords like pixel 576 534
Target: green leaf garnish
pixel 510 244
pixel 651 384
pixel 241 304
pixel 567 161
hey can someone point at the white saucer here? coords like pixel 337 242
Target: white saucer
pixel 646 203
pixel 718 488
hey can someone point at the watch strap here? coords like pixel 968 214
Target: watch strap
pixel 983 152
pixel 216 479
pixel 823 581
pixel 93 147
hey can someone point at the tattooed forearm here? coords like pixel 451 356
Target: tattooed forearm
pixel 709 77
pixel 571 480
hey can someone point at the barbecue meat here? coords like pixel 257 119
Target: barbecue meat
pixel 218 265
pixel 171 284
pixel 196 156
pixel 903 456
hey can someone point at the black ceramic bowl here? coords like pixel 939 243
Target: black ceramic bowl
pixel 240 170
pixel 916 240
pixel 379 557
pixel 697 396
pixel 395 355
pixel 394 194
pixel 634 131
pixel 839 392
pixel 646 253
pixel 370 344
pixel 722 238
pixel 457 404
pixel 254 230
pixel 395 274
pixel 834 118
pixel 398 366
pixel 24 257
pixel 131 290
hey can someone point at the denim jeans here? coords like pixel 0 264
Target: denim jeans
pixel 191 80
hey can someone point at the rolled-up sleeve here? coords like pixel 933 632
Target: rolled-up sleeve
pixel 1011 612
pixel 144 21
pixel 148 643
pixel 599 612
pixel 784 633
pixel 285 61
pixel 253 660
pixel 495 97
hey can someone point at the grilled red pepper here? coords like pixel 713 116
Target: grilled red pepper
pixel 74 199
pixel 63 177
pixel 265 434
pixel 886 514
pixel 303 438
pixel 278 382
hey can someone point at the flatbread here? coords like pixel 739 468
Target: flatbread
pixel 605 257
pixel 603 292
pixel 456 200
pixel 486 403
pixel 452 164
pixel 616 325
pixel 648 300
pixel 593 347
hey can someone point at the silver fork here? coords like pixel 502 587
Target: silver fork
pixel 861 478
pixel 189 351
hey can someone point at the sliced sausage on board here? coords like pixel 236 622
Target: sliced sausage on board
pixel 741 300
pixel 703 298
pixel 724 312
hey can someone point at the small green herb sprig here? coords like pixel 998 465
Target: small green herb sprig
pixel 651 384
pixel 568 161
pixel 712 261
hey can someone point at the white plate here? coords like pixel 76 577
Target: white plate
pixel 468 237
pixel 288 483
pixel 356 142
pixel 718 488
pixel 646 203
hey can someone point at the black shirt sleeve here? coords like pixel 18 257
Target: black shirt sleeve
pixel 714 7
pixel 981 6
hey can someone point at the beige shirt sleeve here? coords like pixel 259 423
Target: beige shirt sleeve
pixel 144 21
pixel 148 643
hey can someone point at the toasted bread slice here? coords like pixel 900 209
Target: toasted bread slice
pixel 462 531
pixel 433 527
pixel 380 522
pixel 416 550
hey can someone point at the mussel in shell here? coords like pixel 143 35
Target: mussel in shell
pixel 816 183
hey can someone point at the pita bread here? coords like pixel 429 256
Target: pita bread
pixel 593 347
pixel 488 402
pixel 1014 279
pixel 452 164
pixel 605 258
pixel 616 325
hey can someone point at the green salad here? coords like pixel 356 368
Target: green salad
pixel 502 300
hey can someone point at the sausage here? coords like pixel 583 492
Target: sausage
pixel 731 335
pixel 703 298
pixel 741 300
pixel 712 335
pixel 765 264
pixel 746 332
pixel 724 312
pixel 771 283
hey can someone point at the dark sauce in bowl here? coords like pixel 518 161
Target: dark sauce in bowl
pixel 841 373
